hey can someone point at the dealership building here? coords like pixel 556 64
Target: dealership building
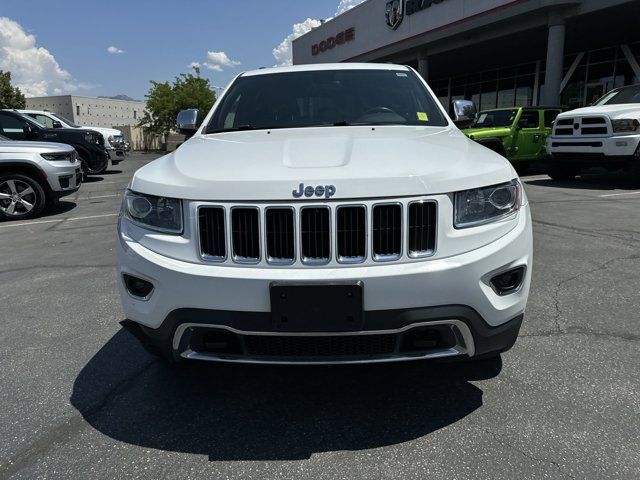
pixel 498 53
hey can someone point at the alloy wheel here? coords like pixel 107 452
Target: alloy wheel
pixel 17 198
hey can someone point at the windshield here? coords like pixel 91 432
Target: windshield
pixel 621 96
pixel 65 120
pixel 32 120
pixel 326 98
pixel 496 118
pixel 4 139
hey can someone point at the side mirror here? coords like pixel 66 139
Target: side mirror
pixel 463 111
pixel 28 130
pixel 188 121
pixel 56 124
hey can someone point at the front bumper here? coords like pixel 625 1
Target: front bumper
pixel 116 155
pixel 604 148
pixel 396 296
pixel 63 178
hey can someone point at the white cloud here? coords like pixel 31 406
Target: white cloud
pixel 193 65
pixel 283 52
pixel 347 5
pixel 33 69
pixel 114 50
pixel 217 61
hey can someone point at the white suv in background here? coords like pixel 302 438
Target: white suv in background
pixel 606 134
pixel 113 139
pixel 325 214
pixel 34 175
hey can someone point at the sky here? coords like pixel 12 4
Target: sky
pixel 112 47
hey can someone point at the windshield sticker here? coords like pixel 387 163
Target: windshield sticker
pixel 423 117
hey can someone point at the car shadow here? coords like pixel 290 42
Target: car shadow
pixel 111 172
pixel 257 412
pixel 63 206
pixel 590 181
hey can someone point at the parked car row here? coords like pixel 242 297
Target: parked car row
pixel 605 135
pixel 43 159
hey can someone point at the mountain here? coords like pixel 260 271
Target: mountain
pixel 121 96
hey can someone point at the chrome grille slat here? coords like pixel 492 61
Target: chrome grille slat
pixel 422 229
pixel 315 235
pixel 351 234
pixel 245 228
pixel 279 225
pixel 211 222
pixel 387 232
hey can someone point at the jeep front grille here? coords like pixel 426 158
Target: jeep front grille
pixel 315 235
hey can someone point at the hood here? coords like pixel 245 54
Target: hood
pixel 626 110
pixel 33 147
pixel 360 162
pixel 106 132
pixel 487 132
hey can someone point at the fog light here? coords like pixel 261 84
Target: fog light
pixel 509 281
pixel 137 287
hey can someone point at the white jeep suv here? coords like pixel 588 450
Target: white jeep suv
pixel 606 134
pixel 325 214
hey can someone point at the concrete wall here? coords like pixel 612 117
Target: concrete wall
pixel 140 140
pixel 96 112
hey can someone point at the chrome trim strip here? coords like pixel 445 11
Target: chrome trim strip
pixel 418 254
pixel 352 260
pixel 316 261
pixel 395 256
pixel 468 349
pixel 280 261
pixel 246 260
pixel 203 256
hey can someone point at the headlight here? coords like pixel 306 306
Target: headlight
pixel 60 156
pixel 625 126
pixel 155 213
pixel 489 204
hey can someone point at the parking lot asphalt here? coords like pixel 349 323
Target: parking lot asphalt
pixel 81 399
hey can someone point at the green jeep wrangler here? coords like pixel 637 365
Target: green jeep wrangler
pixel 519 133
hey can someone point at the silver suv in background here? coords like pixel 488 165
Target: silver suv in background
pixel 34 175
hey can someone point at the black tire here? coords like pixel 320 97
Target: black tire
pixel 562 172
pixel 496 147
pixel 521 167
pixel 634 173
pixel 21 197
pixel 87 170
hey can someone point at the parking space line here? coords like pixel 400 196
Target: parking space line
pixel 59 220
pixel 619 194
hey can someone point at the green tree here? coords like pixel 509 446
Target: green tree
pixel 10 97
pixel 164 101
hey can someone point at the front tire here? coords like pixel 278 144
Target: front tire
pixel 88 170
pixel 562 172
pixel 21 197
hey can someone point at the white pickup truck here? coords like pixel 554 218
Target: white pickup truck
pixel 113 139
pixel 325 214
pixel 606 134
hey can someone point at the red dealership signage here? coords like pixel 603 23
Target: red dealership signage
pixel 331 42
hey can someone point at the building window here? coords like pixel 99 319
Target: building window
pixel 135 114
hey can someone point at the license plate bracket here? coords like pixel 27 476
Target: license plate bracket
pixel 326 307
